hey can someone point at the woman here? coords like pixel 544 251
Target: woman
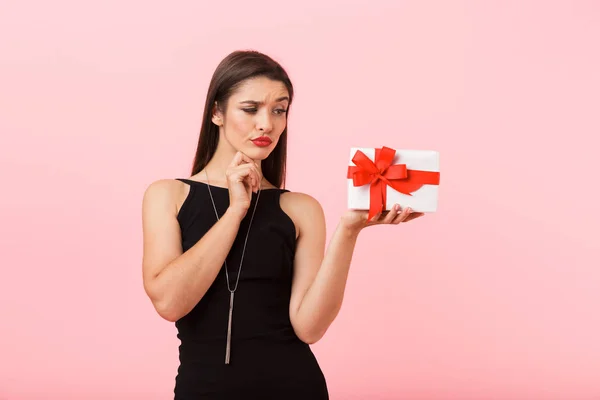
pixel 236 261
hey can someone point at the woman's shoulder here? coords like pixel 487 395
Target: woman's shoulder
pixel 164 187
pixel 302 208
pixel 300 199
pixel 166 193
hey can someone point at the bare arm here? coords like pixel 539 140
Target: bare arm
pixel 320 279
pixel 177 281
pixel 322 299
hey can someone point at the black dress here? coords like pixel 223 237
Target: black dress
pixel 268 360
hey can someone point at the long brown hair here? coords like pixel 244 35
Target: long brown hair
pixel 229 74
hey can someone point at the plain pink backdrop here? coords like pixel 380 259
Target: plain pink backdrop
pixel 496 296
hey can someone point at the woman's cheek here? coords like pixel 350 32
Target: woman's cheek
pixel 240 124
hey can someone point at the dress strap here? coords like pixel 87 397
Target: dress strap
pixel 189 198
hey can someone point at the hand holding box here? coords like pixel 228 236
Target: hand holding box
pixel 378 178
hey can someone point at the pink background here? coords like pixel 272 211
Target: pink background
pixel 496 296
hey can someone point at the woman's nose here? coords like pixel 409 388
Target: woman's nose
pixel 264 123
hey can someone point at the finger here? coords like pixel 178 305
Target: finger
pixel 392 214
pixel 238 176
pixel 244 174
pixel 259 177
pixel 398 215
pixel 404 213
pixel 245 168
pixel 252 171
pixel 255 178
pixel 246 159
pixel 247 178
pixel 237 159
pixel 374 220
pixel 256 173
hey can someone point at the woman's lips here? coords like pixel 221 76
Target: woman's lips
pixel 262 141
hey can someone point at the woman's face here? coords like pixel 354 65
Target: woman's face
pixel 255 117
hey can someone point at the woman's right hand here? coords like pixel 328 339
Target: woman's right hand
pixel 243 178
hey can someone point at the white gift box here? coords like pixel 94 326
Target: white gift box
pixel 424 199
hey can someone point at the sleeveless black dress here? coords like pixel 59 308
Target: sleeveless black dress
pixel 268 360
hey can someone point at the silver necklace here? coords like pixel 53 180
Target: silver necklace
pixel 232 291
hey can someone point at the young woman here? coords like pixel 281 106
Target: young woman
pixel 238 262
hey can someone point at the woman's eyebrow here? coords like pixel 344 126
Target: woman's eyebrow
pixel 262 102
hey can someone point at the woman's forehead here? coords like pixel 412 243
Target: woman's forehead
pixel 261 90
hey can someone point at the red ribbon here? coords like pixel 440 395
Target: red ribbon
pixel 382 173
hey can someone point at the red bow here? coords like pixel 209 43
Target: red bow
pixel 382 173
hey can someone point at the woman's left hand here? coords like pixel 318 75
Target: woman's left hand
pixel 356 220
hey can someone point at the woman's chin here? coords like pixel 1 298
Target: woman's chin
pixel 259 153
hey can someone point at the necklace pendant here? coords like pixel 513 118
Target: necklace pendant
pixel 228 347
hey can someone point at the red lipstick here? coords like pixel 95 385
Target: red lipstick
pixel 262 141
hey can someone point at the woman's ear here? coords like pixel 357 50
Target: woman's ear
pixel 217 115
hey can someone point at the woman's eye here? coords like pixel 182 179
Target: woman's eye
pixel 254 110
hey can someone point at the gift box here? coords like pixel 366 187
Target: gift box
pixel 378 178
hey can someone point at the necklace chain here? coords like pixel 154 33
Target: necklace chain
pixel 245 241
pixel 237 280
